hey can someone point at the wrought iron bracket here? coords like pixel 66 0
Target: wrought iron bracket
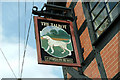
pixel 55 7
pixel 45 13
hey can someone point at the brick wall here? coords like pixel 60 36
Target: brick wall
pixel 84 38
pixel 68 76
pixel 92 70
pixel 86 43
pixel 110 54
pixel 79 13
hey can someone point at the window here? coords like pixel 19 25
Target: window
pixel 102 14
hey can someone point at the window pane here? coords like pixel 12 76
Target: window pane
pixel 115 12
pixel 102 27
pixel 97 9
pixel 106 1
pixel 110 5
pixel 92 4
pixel 100 18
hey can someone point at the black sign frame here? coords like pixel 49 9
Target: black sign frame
pixel 40 51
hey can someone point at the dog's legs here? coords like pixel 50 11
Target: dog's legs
pixel 69 51
pixel 52 49
pixel 47 48
pixel 63 51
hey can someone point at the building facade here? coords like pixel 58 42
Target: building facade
pixel 97 27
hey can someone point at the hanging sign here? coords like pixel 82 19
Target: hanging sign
pixel 56 43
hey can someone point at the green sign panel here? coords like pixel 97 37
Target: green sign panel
pixel 56 41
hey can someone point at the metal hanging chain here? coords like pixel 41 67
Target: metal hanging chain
pixel 8 63
pixel 26 44
pixel 19 38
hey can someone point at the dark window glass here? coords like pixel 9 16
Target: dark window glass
pixel 115 12
pixel 92 4
pixel 103 11
pixel 97 9
pixel 100 18
pixel 111 5
pixel 102 28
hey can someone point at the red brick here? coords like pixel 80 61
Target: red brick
pixel 86 43
pixel 68 76
pixel 75 68
pixel 111 58
pixel 68 3
pixel 92 70
pixel 109 53
pixel 109 67
pixel 79 13
pixel 112 70
pixel 115 47
pixel 113 73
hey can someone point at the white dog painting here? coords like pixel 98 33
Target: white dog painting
pixel 52 43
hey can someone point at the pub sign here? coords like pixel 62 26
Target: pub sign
pixel 56 43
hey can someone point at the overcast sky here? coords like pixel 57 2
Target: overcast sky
pixel 9 43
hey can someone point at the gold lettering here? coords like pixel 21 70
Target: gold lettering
pixel 55 25
pixel 51 24
pixel 42 23
pixel 60 26
pixel 64 26
pixel 60 60
pixel 64 60
pixel 47 24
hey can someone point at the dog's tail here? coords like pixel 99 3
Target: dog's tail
pixel 69 41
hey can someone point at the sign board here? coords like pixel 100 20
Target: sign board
pixel 56 43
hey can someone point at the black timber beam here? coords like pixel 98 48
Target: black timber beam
pixel 62 3
pixel 56 7
pixel 79 47
pixel 73 4
pixel 86 10
pixel 82 28
pixel 88 60
pixel 72 78
pixel 96 51
pixel 116 77
pixel 108 34
pixel 64 72
pixel 76 75
pixel 101 66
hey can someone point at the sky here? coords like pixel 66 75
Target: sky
pixel 9 43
